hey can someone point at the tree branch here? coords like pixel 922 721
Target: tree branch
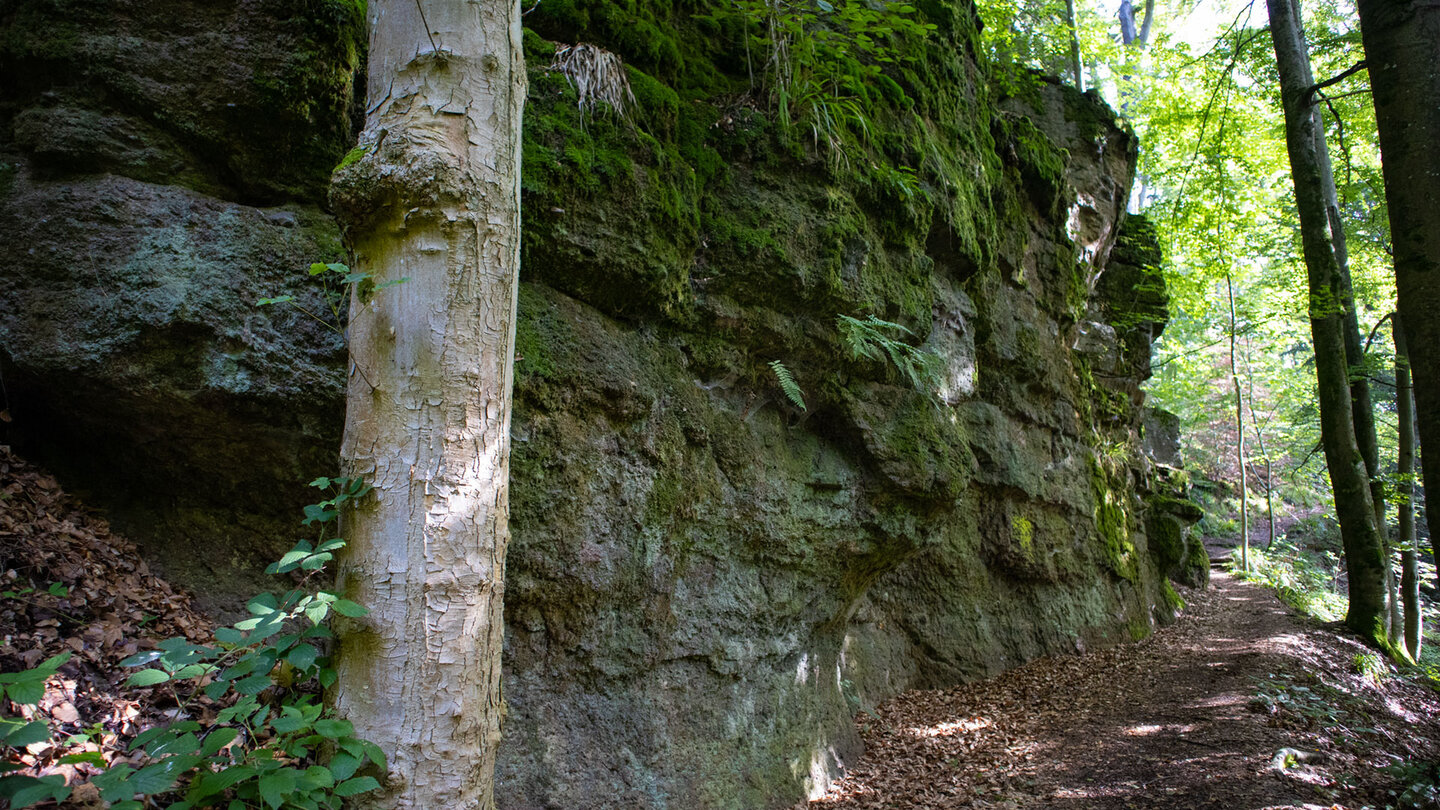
pixel 1342 76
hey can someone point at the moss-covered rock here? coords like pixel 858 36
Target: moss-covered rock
pixel 705 580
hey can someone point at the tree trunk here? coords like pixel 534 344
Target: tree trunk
pixel 1076 66
pixel 1361 408
pixel 1410 568
pixel 1364 557
pixel 1402 50
pixel 1239 435
pixel 435 199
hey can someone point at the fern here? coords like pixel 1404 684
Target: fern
pixel 788 384
pixel 872 339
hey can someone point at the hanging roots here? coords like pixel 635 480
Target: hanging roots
pixel 597 75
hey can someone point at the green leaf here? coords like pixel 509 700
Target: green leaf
pixel 275 785
pixel 279 299
pixel 334 728
pixel 347 608
pixel 317 268
pixel 114 783
pixel 29 691
pixel 289 722
pixel 32 790
pixel 182 744
pixel 360 784
pixel 218 739
pixel 302 656
pixel 147 677
pixel 158 777
pixel 32 732
pixel 254 684
pixel 229 635
pixel 316 561
pixel 211 783
pixel 192 671
pixel 88 758
pixel 375 755
pixel 344 765
pixel 318 777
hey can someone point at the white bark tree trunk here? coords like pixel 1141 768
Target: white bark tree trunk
pixel 434 199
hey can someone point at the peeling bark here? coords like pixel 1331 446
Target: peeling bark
pixel 434 200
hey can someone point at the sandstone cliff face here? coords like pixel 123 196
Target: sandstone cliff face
pixel 705 581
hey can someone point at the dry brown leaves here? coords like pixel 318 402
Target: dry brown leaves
pixel 74 586
pixel 1176 721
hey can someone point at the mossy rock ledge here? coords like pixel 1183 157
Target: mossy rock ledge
pixel 705 582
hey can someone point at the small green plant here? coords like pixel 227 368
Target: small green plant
pixel 27 688
pixel 788 385
pixel 878 340
pixel 339 281
pixel 273 744
pixel 1370 665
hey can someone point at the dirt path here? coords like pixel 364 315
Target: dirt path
pixel 1191 718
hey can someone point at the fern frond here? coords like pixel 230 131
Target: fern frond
pixel 788 384
pixel 872 339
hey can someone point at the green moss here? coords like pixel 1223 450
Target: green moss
pixel 1112 522
pixel 7 178
pixel 1172 599
pixel 1138 629
pixel 1024 533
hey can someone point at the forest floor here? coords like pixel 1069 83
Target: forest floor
pixel 1240 704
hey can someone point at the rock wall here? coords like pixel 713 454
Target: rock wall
pixel 705 581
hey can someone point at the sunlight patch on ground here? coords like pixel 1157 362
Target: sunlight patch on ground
pixel 950 729
pixel 1147 729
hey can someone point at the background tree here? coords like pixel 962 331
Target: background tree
pixel 1405 497
pixel 1305 142
pixel 431 196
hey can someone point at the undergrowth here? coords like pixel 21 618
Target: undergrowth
pixel 1303 579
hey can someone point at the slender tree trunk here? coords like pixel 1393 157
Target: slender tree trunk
pixel 435 199
pixel 1076 66
pixel 1364 554
pixel 1410 568
pixel 1264 453
pixel 1239 434
pixel 1402 50
pixel 1144 36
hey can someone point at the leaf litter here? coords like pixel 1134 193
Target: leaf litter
pixel 1241 704
pixel 69 584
